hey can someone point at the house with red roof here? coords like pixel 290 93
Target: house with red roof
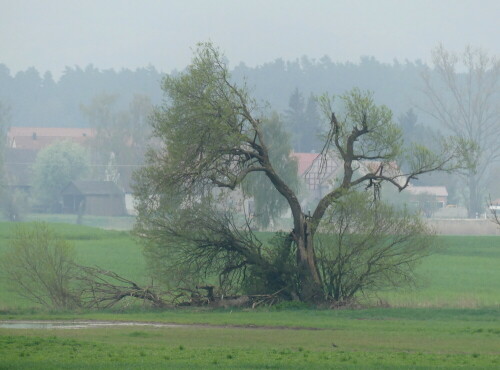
pixel 23 145
pixel 317 172
pixel 36 138
pixel 320 172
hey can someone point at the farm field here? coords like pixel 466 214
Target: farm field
pixel 114 250
pixel 103 222
pixel 462 273
pixel 374 338
pixel 450 321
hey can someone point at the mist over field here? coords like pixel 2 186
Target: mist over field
pixel 100 66
pixel 249 184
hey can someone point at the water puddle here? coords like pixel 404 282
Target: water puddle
pixel 19 324
pixel 78 324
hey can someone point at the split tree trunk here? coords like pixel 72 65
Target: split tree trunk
pixel 310 279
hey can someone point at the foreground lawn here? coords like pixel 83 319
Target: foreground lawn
pixel 464 272
pixel 376 338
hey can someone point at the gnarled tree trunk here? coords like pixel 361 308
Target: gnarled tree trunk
pixel 311 287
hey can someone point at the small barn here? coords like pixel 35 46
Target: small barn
pixel 98 198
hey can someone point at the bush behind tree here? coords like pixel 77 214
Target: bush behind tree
pixel 40 266
pixel 365 246
pixel 55 166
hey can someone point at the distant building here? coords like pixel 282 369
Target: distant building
pixel 317 172
pixel 320 173
pixel 99 198
pixel 438 194
pixel 495 205
pixel 36 138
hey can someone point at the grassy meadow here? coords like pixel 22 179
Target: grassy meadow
pixel 451 320
pixel 114 250
pixel 463 272
pixel 374 338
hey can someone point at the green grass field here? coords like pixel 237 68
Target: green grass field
pixel 114 250
pixel 103 222
pixel 450 321
pixel 375 338
pixel 464 272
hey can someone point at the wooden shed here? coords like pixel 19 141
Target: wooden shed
pixel 99 198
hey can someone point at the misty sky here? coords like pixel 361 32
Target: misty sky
pixel 52 34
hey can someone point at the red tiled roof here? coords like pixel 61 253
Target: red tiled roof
pixel 304 161
pixel 50 131
pixel 36 138
pixel 23 142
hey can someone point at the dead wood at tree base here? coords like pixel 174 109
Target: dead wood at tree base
pixel 104 289
pixel 236 301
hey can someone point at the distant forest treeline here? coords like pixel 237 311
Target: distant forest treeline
pixel 37 100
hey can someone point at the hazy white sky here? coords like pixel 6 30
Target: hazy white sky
pixel 52 34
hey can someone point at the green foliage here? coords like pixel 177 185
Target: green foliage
pixel 198 244
pixel 269 204
pixel 211 144
pixel 291 305
pixel 279 275
pixel 40 266
pixel 212 136
pixel 203 126
pixel 383 140
pixel 368 246
pixel 54 168
pixel 455 154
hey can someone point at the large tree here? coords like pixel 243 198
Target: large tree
pixel 213 136
pixel 462 93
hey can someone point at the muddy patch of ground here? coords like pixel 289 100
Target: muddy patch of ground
pixel 67 324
